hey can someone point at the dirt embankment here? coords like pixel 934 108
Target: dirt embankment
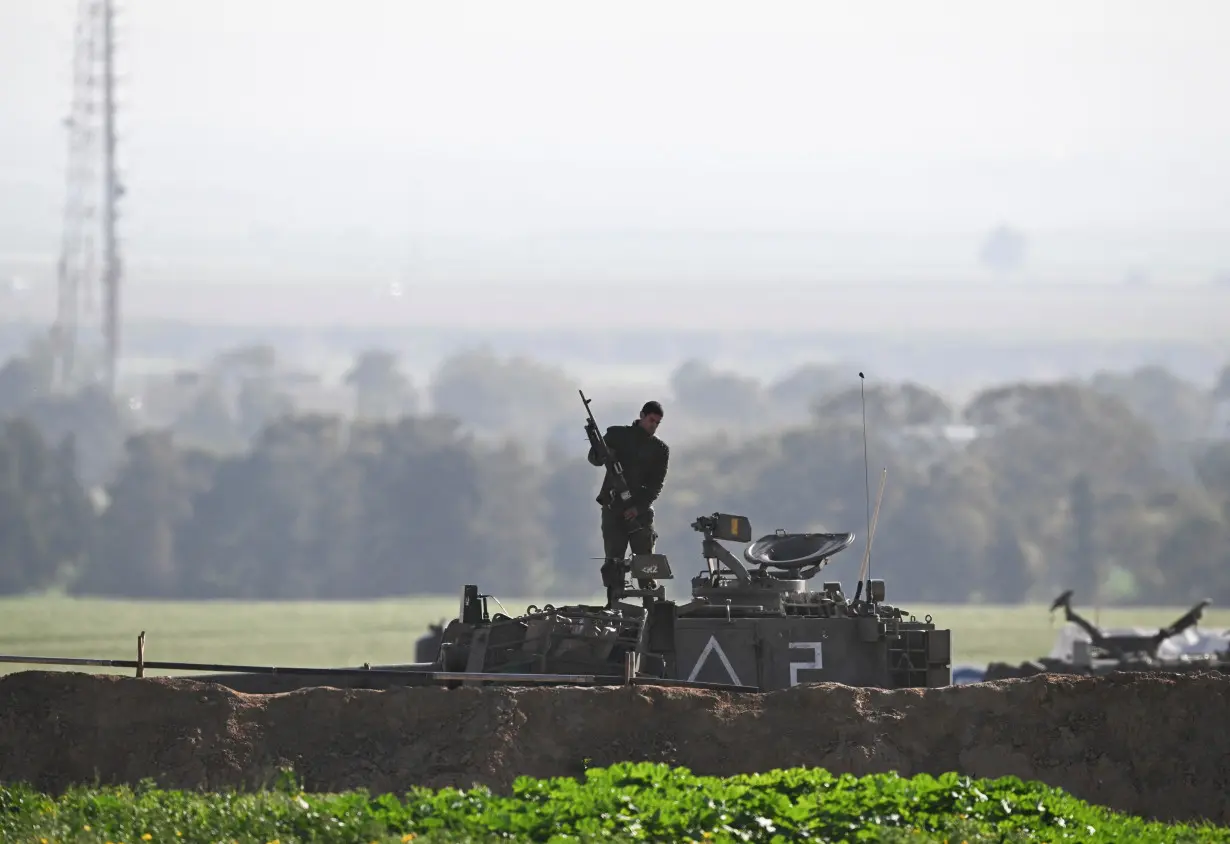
pixel 1151 745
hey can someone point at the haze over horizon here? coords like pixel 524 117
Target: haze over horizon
pixel 299 163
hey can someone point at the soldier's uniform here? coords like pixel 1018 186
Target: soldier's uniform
pixel 644 458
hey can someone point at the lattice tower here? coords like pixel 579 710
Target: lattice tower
pixel 90 258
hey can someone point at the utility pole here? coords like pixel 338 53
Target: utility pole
pixel 91 200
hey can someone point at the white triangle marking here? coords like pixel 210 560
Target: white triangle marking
pixel 704 654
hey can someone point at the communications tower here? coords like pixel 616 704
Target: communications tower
pixel 89 261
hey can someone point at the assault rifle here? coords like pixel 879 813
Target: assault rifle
pixel 620 493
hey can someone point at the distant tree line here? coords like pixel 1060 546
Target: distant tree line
pixel 1024 490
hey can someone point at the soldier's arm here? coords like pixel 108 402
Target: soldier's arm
pixel 594 457
pixel 655 477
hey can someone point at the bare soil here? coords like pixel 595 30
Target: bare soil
pixel 1149 744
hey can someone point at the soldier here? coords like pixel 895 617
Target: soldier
pixel 644 458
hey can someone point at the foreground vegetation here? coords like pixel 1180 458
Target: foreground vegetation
pixel 631 801
pixel 383 632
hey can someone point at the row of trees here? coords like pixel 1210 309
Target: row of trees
pixel 1047 486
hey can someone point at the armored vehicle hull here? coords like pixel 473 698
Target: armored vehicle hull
pixel 751 652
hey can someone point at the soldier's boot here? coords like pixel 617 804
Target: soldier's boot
pixel 612 579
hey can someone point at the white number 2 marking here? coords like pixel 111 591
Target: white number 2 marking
pixel 817 661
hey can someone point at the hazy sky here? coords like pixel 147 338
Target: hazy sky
pixel 264 129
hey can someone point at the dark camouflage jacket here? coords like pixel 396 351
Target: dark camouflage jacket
pixel 643 457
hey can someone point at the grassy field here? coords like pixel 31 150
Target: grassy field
pixel 344 633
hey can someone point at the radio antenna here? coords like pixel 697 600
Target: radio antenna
pixel 866 469
pixel 858 591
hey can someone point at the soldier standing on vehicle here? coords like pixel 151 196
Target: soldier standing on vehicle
pixel 644 458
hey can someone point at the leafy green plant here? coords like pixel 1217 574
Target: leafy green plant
pixel 625 802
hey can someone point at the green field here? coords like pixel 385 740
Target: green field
pixel 382 632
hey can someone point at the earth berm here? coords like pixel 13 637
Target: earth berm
pixel 1149 744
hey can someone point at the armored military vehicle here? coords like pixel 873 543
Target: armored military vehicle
pixel 750 623
pixel 1103 652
